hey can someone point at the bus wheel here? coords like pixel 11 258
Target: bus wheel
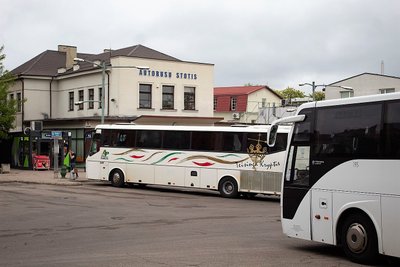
pixel 228 187
pixel 117 178
pixel 359 239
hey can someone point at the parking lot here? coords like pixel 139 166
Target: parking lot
pixel 99 225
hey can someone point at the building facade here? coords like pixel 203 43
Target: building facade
pixel 242 104
pixel 363 84
pixel 142 85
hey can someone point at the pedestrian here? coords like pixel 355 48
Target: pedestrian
pixel 72 162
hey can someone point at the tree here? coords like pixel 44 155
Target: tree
pixel 318 96
pixel 290 93
pixel 8 107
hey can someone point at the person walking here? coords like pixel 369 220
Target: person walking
pixel 72 162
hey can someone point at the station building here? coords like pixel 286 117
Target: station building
pixel 55 92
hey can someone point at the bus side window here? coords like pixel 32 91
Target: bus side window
pixel 348 131
pixel 392 131
pixel 280 143
pixel 297 172
pixel 298 166
pixel 121 139
pixel 176 140
pixel 149 139
pixel 232 142
pixel 95 144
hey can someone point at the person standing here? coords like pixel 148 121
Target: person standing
pixel 72 162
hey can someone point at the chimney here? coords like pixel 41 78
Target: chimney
pixel 70 54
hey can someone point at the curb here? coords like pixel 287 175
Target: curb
pixel 66 183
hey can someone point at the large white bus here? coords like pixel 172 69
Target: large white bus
pixel 341 183
pixel 232 160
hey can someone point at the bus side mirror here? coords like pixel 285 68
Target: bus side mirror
pixel 271 135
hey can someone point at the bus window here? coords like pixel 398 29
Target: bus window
pixel 349 131
pixel 392 131
pixel 176 140
pixel 232 142
pixel 297 172
pixel 299 160
pixel 204 141
pixel 95 144
pixel 257 142
pixel 280 143
pixel 148 139
pixel 108 138
pixel 125 138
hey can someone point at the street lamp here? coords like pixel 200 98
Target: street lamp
pixel 103 67
pixel 314 86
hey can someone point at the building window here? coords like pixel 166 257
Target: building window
pixel 100 97
pixel 91 98
pixel 189 97
pixel 346 94
pixel 80 98
pixel 145 96
pixel 233 103
pixel 386 90
pixel 263 102
pixel 19 102
pixel 215 103
pixel 167 97
pixel 71 101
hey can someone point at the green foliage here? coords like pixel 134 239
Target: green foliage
pixel 8 107
pixel 318 96
pixel 290 93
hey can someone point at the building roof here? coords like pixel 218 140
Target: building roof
pixel 241 90
pixel 362 74
pixel 48 62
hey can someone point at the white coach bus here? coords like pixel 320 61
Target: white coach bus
pixel 232 160
pixel 341 184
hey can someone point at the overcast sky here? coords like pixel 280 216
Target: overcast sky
pixel 278 43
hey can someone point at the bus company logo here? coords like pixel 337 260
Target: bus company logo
pixel 104 155
pixel 257 152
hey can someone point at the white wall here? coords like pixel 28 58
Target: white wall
pixel 365 84
pixel 255 103
pixel 74 84
pixel 124 87
pixel 37 96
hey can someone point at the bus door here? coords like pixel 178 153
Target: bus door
pixel 95 159
pixel 327 152
pixel 104 170
pixel 296 195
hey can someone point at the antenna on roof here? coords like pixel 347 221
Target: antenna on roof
pixel 382 67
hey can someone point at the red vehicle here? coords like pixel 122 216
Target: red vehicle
pixel 41 162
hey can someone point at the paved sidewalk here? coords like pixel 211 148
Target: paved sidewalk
pixel 42 177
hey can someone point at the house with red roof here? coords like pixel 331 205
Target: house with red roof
pixel 242 104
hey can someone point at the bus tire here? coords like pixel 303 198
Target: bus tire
pixel 228 187
pixel 117 178
pixel 359 239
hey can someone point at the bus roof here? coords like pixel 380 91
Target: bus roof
pixel 250 129
pixel 351 100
